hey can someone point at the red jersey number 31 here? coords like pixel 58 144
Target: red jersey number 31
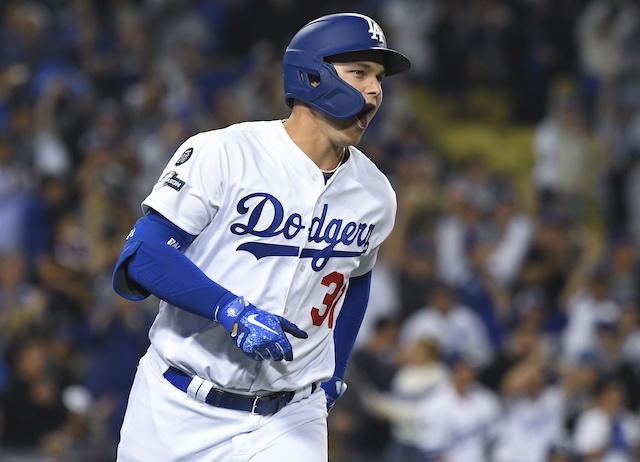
pixel 335 282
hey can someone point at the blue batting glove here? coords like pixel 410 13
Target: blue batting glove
pixel 258 333
pixel 333 388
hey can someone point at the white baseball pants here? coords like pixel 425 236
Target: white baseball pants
pixel 164 424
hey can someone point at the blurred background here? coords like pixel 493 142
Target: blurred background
pixel 507 293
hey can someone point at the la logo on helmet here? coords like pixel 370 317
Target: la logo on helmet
pixel 375 31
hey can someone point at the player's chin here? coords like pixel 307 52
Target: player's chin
pixel 354 127
pixel 353 134
pixel 350 132
pixel 357 138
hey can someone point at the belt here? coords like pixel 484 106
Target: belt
pixel 261 405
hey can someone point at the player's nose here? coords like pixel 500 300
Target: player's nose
pixel 374 86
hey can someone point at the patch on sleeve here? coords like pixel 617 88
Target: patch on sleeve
pixel 184 157
pixel 170 179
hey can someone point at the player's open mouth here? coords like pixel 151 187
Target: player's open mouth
pixel 365 116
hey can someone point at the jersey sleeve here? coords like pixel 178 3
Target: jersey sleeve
pixel 190 189
pixel 388 202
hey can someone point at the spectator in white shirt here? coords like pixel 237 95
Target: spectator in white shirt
pixel 456 327
pixel 514 236
pixel 534 414
pixel 587 306
pixel 419 372
pixel 458 419
pixel 453 231
pixel 608 432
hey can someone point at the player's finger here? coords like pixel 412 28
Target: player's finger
pixel 287 351
pixel 259 356
pixel 277 353
pixel 291 328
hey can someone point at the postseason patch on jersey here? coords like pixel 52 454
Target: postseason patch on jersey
pixel 170 179
pixel 184 157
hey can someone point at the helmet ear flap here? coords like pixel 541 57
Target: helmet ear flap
pixel 301 80
pixel 338 98
pixel 325 91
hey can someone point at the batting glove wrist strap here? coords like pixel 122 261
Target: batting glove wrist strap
pixel 333 388
pixel 228 313
pixel 258 333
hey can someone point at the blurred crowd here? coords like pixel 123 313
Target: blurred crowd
pixel 503 323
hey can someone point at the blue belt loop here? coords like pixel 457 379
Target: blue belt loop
pixel 178 379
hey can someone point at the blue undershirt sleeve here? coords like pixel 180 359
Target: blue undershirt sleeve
pixel 153 260
pixel 349 320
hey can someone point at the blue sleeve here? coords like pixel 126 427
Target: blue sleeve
pixel 349 321
pixel 152 262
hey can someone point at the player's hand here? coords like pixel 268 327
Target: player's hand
pixel 258 333
pixel 333 388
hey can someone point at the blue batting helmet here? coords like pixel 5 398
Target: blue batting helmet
pixel 309 53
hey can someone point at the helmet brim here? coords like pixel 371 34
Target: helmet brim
pixel 394 61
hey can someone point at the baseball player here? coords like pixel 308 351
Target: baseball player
pixel 260 239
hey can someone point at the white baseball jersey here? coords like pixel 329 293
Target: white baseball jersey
pixel 594 432
pixel 271 230
pixel 530 427
pixel 459 330
pixel 459 428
